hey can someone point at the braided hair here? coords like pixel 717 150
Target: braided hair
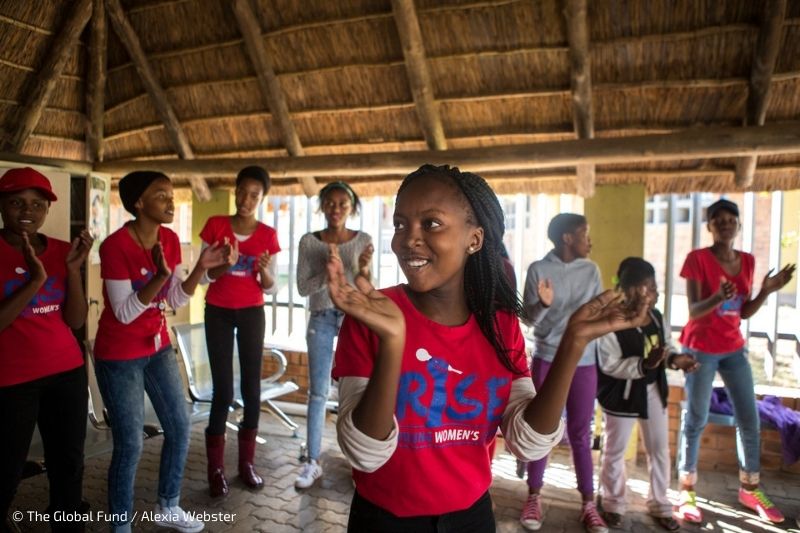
pixel 486 285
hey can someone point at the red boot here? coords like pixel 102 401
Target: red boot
pixel 215 452
pixel 247 450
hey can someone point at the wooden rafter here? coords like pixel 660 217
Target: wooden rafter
pixel 130 41
pixel 581 84
pixel 766 55
pixel 96 83
pixel 269 85
pixel 695 143
pixel 45 82
pixel 419 78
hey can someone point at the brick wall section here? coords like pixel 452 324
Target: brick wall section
pixel 718 443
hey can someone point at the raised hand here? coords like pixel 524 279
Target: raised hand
pixel 264 261
pixel 773 283
pixel 79 250
pixel 545 291
pixel 214 255
pixel 727 289
pixel 606 313
pixel 231 251
pixel 655 357
pixel 35 267
pixel 362 301
pixel 162 269
pixel 365 261
pixel 685 362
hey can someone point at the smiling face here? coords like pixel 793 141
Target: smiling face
pixel 156 202
pixel 24 211
pixel 724 227
pixel 336 206
pixel 434 231
pixel 249 194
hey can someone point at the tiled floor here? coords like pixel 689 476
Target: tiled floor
pixel 280 508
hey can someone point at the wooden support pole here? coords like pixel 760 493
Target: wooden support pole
pixel 766 55
pixel 96 82
pixel 270 86
pixel 405 17
pixel 130 41
pixel 581 84
pixel 45 83
pixel 695 143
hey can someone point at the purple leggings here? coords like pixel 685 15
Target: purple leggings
pixel 580 409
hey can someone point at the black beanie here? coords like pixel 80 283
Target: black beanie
pixel 133 185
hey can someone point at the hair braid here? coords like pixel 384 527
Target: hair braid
pixel 486 286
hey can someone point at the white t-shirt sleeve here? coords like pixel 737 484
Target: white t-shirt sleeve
pixel 521 439
pixel 364 453
pixel 123 299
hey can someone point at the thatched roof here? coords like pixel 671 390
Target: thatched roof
pixel 493 73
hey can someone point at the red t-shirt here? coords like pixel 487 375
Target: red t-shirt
pixel 122 258
pixel 38 342
pixel 452 393
pixel 239 287
pixel 718 331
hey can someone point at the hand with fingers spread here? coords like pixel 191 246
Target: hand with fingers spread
pixel 362 301
pixel 213 256
pixel 35 266
pixel 545 291
pixel 775 282
pixel 606 313
pixel 79 251
pixel 727 289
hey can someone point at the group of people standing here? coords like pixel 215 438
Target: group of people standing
pixel 428 370
pixel 626 370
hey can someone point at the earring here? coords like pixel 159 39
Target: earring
pixel 470 249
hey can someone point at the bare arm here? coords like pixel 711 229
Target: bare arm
pixel 768 286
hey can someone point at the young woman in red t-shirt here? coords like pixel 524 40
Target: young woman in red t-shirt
pixel 429 370
pixel 235 303
pixel 133 352
pixel 42 377
pixel 719 281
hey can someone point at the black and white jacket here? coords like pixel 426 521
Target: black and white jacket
pixel 622 379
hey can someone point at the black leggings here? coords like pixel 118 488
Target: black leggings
pixel 249 324
pixel 366 517
pixel 58 404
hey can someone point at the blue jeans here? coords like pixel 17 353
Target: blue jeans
pixel 323 326
pixel 735 371
pixel 122 385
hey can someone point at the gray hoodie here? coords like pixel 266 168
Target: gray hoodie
pixel 574 284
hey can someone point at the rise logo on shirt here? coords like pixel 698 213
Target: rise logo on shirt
pixel 441 405
pixel 47 300
pixel 244 266
pixel 731 307
pixel 138 284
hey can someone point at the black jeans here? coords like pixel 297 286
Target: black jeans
pixel 249 324
pixel 58 403
pixel 366 517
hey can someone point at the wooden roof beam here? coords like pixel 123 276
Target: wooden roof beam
pixel 695 143
pixel 419 78
pixel 96 82
pixel 270 86
pixel 45 83
pixel 581 85
pixel 766 55
pixel 130 41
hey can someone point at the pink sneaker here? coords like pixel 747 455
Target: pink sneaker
pixel 757 501
pixel 532 513
pixel 592 521
pixel 687 508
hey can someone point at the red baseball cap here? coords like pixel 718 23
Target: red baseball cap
pixel 18 179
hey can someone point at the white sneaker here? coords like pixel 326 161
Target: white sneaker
pixel 176 518
pixel 311 472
